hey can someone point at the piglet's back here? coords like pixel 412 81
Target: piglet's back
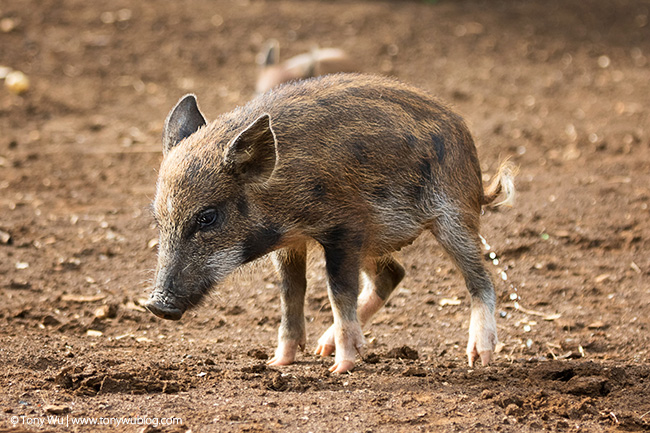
pixel 359 119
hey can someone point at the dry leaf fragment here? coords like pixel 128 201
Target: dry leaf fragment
pixel 527 311
pixel 56 409
pixel 448 301
pixel 602 277
pixel 82 298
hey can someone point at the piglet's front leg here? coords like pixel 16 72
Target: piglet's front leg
pixel 291 265
pixel 343 289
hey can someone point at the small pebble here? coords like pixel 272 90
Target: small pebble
pixel 17 82
pixel 5 237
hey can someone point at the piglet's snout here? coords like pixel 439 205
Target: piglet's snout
pixel 163 306
pixel 163 302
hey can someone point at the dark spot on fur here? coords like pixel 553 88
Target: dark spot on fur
pixel 411 141
pixel 324 102
pixel 318 190
pixel 425 170
pixel 416 105
pixel 260 241
pixel 424 181
pixel 361 92
pixel 242 207
pixel 360 152
pixel 439 145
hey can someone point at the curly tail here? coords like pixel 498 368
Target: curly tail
pixel 502 182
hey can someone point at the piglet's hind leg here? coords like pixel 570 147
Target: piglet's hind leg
pixel 459 237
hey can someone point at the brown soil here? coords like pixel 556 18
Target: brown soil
pixel 561 86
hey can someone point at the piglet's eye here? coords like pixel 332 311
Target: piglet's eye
pixel 207 218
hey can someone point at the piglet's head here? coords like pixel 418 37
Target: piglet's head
pixel 207 204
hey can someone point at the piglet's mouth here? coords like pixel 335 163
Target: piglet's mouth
pixel 162 308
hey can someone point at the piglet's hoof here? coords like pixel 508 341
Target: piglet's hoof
pixel 342 366
pixel 324 349
pixel 285 354
pixel 485 356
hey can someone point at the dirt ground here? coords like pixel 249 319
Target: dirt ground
pixel 561 87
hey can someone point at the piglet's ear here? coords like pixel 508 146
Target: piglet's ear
pixel 183 121
pixel 252 153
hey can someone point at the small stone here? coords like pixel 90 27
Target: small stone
pixel 593 386
pixel 257 354
pixel 487 394
pixel 94 333
pixel 403 352
pixel 108 311
pixel 50 320
pixel 513 410
pixel 7 25
pixel 17 82
pixel 371 358
pixel 415 371
pixel 255 369
pixel 19 285
pixel 235 311
pixel 5 238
